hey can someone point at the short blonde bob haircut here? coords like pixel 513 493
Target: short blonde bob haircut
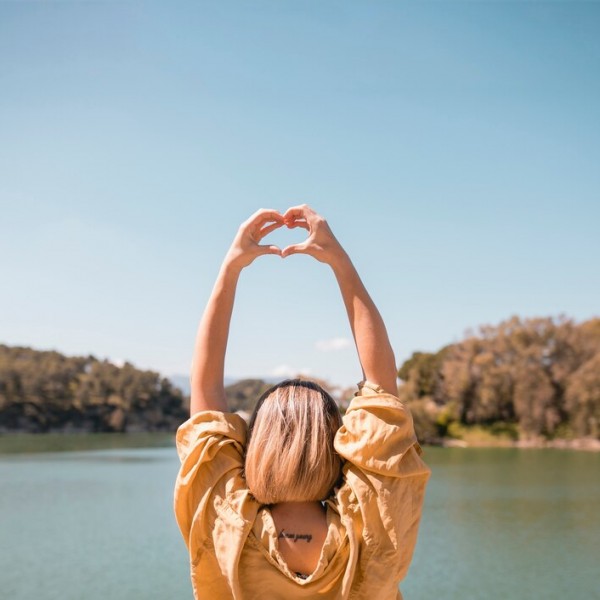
pixel 290 455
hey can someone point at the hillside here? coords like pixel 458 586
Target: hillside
pixel 528 382
pixel 43 391
pixel 531 382
pixel 46 391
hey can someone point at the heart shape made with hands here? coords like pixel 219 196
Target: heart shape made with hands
pixel 285 236
pixel 278 233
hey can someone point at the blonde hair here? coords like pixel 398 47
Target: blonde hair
pixel 290 455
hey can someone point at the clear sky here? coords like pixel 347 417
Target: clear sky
pixel 454 148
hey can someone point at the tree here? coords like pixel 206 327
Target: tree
pixel 583 398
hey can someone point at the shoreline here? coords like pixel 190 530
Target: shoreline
pixel 585 444
pixel 582 444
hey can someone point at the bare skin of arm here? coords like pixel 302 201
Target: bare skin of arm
pixel 374 349
pixel 207 387
pixel 370 335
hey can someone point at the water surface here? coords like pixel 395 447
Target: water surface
pixel 90 516
pixel 509 523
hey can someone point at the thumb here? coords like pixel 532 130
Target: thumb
pixel 270 250
pixel 294 249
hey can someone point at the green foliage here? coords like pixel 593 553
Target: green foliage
pixel 244 394
pixel 47 391
pixel 482 435
pixel 426 427
pixel 533 377
pixel 422 371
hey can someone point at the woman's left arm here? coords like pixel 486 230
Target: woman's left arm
pixel 207 387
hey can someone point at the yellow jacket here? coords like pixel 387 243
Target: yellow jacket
pixel 373 517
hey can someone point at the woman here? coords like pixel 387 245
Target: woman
pixel 302 503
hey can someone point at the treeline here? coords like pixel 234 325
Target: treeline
pixel 531 379
pixel 46 391
pixel 243 395
pixel 527 379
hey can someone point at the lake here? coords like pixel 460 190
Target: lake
pixel 90 516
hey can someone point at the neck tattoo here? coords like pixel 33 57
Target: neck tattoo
pixel 294 536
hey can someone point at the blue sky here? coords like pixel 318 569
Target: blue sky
pixel 453 148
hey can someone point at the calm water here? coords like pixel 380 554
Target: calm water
pixel 91 517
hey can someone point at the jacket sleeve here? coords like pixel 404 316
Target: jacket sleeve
pixel 385 473
pixel 210 446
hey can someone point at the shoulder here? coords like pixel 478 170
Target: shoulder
pixel 210 445
pixel 210 426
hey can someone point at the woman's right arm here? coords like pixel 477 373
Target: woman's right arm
pixel 370 335
pixel 207 387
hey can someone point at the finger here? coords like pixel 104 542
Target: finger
pixel 298 211
pixel 267 212
pixel 269 249
pixel 262 225
pixel 266 230
pixel 265 215
pixel 294 249
pixel 294 224
pixel 256 227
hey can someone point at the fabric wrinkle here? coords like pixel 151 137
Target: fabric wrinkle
pixel 372 516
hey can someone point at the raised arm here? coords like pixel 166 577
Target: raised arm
pixel 207 387
pixel 370 335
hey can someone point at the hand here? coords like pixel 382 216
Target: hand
pixel 320 244
pixel 245 247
